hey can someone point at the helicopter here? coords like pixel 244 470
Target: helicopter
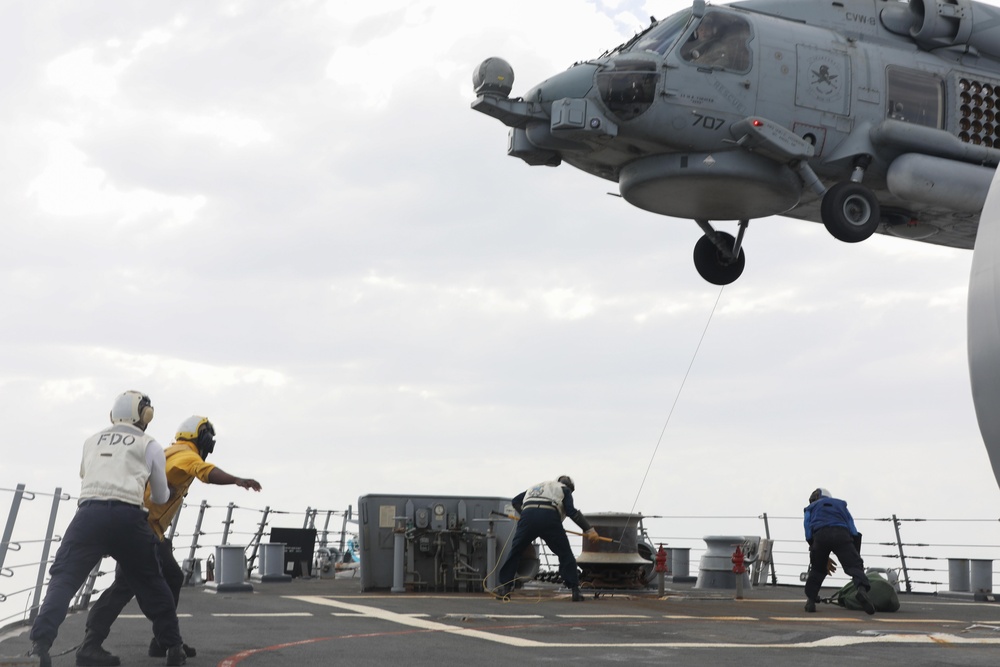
pixel 869 116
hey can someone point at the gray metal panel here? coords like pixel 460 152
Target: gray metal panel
pixel 446 552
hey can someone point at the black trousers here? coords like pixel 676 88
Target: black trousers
pixel 119 530
pixel 836 540
pixel 112 601
pixel 547 525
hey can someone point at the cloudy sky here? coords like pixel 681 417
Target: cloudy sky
pixel 285 216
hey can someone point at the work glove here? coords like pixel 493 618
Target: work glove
pixel 831 566
pixel 592 535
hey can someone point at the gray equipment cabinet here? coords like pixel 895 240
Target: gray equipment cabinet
pixel 432 543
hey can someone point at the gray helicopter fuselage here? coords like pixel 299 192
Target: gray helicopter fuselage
pixel 805 94
pixel 866 115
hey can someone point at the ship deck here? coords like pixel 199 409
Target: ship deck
pixel 322 621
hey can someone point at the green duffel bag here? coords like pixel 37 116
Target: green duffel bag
pixel 882 595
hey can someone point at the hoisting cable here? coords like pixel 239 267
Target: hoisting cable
pixel 659 440
pixel 676 399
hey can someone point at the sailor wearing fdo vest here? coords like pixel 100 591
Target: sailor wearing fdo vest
pixel 186 461
pixel 111 520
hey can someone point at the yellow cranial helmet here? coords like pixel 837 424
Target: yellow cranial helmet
pixel 199 430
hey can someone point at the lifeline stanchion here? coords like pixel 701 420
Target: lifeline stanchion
pixel 46 545
pixel 191 562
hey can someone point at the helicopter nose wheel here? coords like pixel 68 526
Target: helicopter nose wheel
pixel 850 212
pixel 718 256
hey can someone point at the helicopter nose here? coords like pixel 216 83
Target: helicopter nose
pixel 575 83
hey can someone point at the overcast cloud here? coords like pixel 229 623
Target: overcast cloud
pixel 285 216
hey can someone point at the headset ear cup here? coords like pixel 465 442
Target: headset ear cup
pixel 146 415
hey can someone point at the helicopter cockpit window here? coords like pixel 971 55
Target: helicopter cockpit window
pixel 628 87
pixel 662 36
pixel 914 97
pixel 719 41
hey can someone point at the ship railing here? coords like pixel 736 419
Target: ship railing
pixel 32 532
pixel 919 551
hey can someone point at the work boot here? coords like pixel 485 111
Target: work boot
pixel 503 590
pixel 92 654
pixel 866 602
pixel 577 595
pixel 40 650
pixel 175 655
pixel 811 606
pixel 157 651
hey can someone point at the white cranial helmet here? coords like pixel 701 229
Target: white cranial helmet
pixel 132 407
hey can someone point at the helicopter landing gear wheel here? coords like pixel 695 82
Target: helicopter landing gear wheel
pixel 850 212
pixel 716 266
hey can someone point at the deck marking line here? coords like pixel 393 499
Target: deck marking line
pixel 499 617
pixel 838 641
pixel 678 617
pixel 276 614
pixel 814 619
pixel 915 620
pixel 404 619
pixel 598 616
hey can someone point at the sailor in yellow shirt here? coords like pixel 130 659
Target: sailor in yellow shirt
pixel 194 441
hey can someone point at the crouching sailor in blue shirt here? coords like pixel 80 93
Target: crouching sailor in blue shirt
pixel 830 529
pixel 543 508
pixel 111 520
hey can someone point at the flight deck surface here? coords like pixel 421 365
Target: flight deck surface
pixel 331 621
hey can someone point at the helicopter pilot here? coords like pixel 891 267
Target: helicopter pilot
pixel 719 41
